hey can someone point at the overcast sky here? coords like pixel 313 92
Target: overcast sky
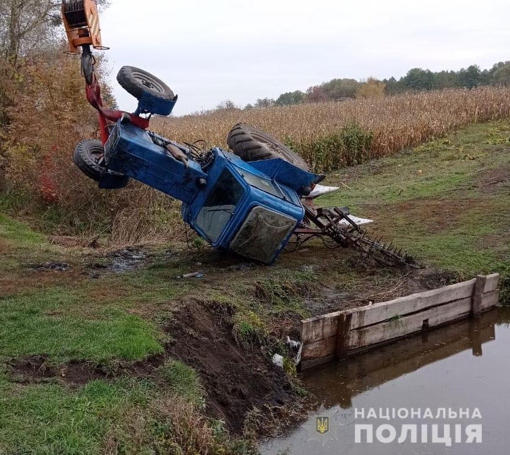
pixel 211 51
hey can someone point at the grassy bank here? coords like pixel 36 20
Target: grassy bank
pixel 108 351
pixel 447 201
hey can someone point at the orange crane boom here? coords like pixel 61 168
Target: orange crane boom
pixel 81 21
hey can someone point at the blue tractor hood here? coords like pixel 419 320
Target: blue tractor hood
pixel 287 174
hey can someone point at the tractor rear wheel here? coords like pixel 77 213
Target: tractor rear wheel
pixel 88 157
pixel 252 144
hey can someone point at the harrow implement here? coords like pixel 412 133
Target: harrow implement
pixel 336 227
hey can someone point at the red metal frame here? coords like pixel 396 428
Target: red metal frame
pixel 93 92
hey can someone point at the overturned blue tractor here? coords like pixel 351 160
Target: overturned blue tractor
pixel 250 200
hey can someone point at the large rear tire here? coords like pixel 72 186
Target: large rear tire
pixel 252 144
pixel 88 157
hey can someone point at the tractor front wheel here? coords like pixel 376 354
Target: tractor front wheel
pixel 89 158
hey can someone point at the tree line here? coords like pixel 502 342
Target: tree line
pixel 416 79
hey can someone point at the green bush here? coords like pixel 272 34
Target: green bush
pixel 347 147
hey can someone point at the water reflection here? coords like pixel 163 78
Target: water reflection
pixel 465 364
pixel 338 383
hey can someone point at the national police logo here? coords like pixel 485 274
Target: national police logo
pixel 323 429
pixel 322 425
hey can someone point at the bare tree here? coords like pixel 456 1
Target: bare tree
pixel 29 24
pixel 26 24
pixel 26 27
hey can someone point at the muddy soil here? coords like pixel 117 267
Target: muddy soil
pixel 57 266
pixel 36 369
pixel 236 379
pixel 373 283
pixel 397 283
pixel 493 180
pixel 123 260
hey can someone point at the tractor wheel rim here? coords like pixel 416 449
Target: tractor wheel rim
pixel 97 155
pixel 148 82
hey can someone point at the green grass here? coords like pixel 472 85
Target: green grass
pixel 432 170
pixel 124 416
pixel 183 381
pixel 47 323
pixel 248 327
pixel 53 419
pixel 18 233
pixel 412 194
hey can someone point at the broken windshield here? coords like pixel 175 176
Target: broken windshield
pixel 220 205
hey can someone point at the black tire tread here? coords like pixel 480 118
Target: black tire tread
pixel 252 144
pixel 134 87
pixel 82 157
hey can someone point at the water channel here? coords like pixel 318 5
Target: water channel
pixel 464 365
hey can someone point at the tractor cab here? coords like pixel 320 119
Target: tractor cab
pixel 244 210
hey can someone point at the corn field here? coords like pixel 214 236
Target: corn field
pixel 313 130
